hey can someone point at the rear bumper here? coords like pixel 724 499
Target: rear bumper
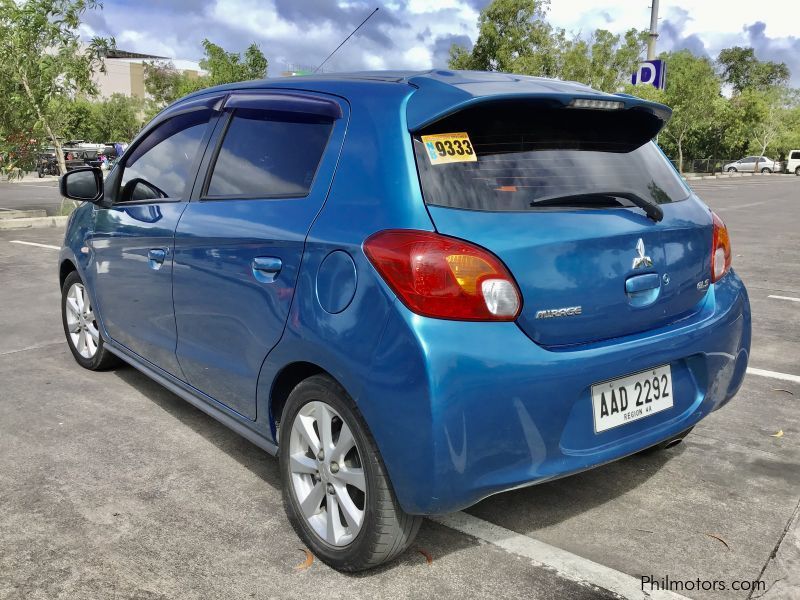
pixel 461 411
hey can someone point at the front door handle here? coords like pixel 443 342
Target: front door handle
pixel 266 268
pixel 155 257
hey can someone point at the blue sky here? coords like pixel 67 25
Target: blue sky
pixel 416 34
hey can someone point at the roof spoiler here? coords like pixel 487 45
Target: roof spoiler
pixel 434 100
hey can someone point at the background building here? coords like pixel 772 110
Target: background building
pixel 125 72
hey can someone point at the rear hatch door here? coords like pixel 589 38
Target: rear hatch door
pixel 549 192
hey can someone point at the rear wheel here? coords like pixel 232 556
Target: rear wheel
pixel 335 488
pixel 766 170
pixel 81 328
pixel 731 169
pixel 797 171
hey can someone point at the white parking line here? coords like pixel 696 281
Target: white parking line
pixel 566 564
pixel 785 298
pixel 773 374
pixel 34 244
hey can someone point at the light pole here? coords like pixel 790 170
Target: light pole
pixel 651 40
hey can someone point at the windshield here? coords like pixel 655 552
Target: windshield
pixel 524 157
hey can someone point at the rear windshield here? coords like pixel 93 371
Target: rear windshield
pixel 529 157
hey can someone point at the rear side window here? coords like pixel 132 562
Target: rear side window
pixel 162 165
pixel 795 155
pixel 529 155
pixel 268 154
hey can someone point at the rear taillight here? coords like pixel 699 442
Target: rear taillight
pixel 443 277
pixel 720 249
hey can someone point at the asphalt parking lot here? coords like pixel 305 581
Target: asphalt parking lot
pixel 112 487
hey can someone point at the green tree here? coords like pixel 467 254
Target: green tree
pixel 514 36
pixel 764 116
pixel 165 84
pixel 742 70
pixel 42 60
pixel 692 91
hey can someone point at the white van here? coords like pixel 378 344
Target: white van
pixel 793 162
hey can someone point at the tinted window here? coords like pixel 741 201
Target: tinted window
pixel 527 158
pixel 269 154
pixel 161 166
pixel 795 155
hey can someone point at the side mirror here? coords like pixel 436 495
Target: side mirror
pixel 84 184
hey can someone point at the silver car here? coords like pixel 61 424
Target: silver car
pixel 751 164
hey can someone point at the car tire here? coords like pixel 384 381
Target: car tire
pixel 731 169
pixel 81 327
pixel 766 170
pixel 385 530
pixel 668 443
pixel 797 171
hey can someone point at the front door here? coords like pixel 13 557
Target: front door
pixel 238 246
pixel 133 242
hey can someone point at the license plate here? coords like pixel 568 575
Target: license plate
pixel 631 398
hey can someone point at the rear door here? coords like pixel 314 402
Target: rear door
pixel 548 192
pixel 239 244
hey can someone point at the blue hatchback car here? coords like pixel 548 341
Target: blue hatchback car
pixel 418 289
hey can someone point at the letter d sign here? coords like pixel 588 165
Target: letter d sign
pixel 651 72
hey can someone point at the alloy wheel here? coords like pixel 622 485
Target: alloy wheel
pixel 327 473
pixel 81 322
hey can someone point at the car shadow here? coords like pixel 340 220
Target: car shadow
pixel 523 511
pixel 537 507
pixel 250 456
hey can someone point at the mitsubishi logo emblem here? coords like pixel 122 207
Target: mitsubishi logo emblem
pixel 642 260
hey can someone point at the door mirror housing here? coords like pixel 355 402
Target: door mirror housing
pixel 84 185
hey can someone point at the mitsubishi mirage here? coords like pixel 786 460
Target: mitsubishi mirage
pixel 416 289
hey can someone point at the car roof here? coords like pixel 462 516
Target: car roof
pixel 436 93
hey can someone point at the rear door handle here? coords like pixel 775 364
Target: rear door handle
pixel 266 268
pixel 642 283
pixel 155 257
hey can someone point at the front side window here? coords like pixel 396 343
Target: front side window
pixel 269 154
pixel 162 165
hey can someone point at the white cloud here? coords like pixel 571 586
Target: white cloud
pixel 415 34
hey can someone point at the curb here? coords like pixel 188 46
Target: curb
pixel 21 214
pixel 32 223
pixel 727 175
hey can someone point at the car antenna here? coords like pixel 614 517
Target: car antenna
pixel 345 40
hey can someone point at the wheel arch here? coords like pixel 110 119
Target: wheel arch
pixel 64 269
pixel 288 378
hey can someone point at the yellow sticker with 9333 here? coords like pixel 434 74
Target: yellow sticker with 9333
pixel 445 148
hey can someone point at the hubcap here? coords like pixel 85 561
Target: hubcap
pixel 327 474
pixel 81 324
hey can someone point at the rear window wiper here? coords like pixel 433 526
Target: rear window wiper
pixel 652 210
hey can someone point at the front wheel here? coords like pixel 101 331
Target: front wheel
pixel 81 328
pixel 336 491
pixel 731 169
pixel 766 170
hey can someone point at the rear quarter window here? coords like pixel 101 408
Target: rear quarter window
pixel 527 154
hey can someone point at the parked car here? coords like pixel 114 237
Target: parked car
pixel 398 284
pixel 793 162
pixel 753 164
